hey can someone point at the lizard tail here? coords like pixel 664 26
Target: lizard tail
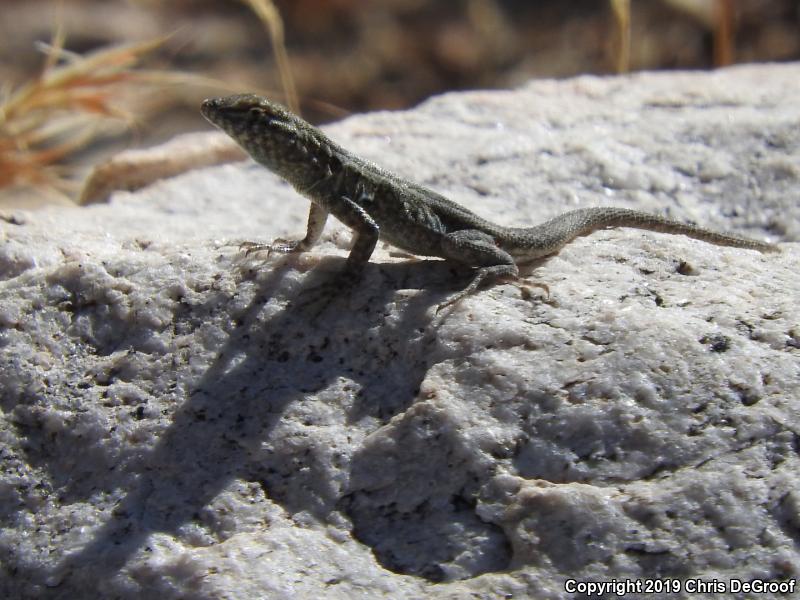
pixel 561 230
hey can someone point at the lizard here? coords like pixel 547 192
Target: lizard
pixel 377 204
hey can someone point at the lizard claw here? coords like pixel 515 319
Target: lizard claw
pixel 251 249
pixel 454 300
pixel 524 287
pixel 254 248
pixel 285 246
pixel 281 245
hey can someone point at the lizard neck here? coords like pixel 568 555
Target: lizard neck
pixel 304 160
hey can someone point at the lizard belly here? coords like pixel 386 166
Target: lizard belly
pixel 413 239
pixel 405 221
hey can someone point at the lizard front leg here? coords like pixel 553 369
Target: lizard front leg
pixel 317 216
pixel 366 238
pixel 366 233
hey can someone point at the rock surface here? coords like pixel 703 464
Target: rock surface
pixel 175 423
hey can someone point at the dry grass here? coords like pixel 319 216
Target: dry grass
pixel 271 18
pixel 718 16
pixel 74 101
pixel 622 38
pixel 134 169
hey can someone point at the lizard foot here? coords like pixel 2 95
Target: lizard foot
pixel 525 288
pixel 279 245
pixel 250 248
pixel 453 301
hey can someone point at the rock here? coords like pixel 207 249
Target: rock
pixel 181 421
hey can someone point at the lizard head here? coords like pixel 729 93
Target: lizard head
pixel 271 134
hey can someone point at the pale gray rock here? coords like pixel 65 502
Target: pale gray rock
pixel 175 423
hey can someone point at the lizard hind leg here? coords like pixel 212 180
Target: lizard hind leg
pixel 478 249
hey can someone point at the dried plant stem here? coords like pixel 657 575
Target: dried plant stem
pixel 269 15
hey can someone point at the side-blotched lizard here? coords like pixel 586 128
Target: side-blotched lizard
pixel 378 204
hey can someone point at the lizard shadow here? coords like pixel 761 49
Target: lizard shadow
pixel 228 427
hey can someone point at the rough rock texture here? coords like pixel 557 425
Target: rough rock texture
pixel 177 423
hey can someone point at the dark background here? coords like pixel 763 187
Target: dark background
pixel 359 55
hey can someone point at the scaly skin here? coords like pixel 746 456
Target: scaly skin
pixel 378 204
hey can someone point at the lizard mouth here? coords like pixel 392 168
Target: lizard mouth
pixel 212 109
pixel 247 115
pixel 207 107
pixel 227 116
pixel 234 112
